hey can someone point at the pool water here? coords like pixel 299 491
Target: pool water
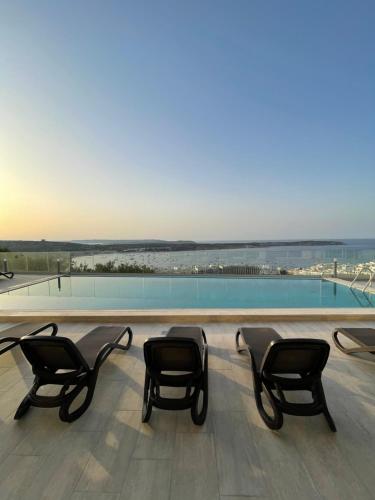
pixel 88 292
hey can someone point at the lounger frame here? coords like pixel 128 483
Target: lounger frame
pixel 351 350
pixel 195 382
pixel 14 341
pixel 73 382
pixel 7 274
pixel 266 382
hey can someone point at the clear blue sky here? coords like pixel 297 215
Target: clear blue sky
pixel 245 119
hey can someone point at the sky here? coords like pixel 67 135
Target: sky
pixel 199 119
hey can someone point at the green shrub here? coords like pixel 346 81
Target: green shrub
pixel 110 267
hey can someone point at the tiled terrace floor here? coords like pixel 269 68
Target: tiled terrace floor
pixel 109 454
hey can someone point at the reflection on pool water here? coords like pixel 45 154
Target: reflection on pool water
pixel 88 292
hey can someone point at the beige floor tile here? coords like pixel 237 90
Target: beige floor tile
pixel 194 474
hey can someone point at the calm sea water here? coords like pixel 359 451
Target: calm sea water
pixel 353 252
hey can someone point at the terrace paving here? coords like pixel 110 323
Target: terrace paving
pixel 108 454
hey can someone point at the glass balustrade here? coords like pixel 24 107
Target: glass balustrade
pixel 303 261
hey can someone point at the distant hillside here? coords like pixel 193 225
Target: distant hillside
pixel 147 245
pixel 120 242
pixel 71 246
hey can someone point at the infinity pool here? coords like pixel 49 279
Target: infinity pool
pixel 87 292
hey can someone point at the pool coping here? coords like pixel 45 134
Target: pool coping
pixel 188 315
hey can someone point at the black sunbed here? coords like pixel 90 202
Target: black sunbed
pixel 7 274
pixel 74 366
pixel 13 334
pixel 179 359
pixel 280 365
pixel 363 337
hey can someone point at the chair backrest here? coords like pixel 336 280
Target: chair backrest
pixel 172 354
pixel 296 356
pixel 52 353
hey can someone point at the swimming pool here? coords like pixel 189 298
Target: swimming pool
pixel 99 292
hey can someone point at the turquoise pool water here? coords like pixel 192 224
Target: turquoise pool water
pixel 88 292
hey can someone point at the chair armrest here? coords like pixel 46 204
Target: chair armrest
pixel 45 327
pixel 13 341
pixel 103 354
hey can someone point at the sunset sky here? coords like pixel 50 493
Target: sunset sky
pixel 187 119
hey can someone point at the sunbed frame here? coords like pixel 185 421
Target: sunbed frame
pixel 178 351
pixel 7 274
pixel 75 367
pixel 363 337
pixel 273 363
pixel 13 335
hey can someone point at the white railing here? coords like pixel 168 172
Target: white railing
pixel 368 283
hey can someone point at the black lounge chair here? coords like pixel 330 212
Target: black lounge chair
pixel 280 365
pixel 7 274
pixel 13 335
pixel 74 366
pixel 363 337
pixel 178 359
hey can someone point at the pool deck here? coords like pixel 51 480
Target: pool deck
pixel 357 285
pixel 182 316
pixel 108 454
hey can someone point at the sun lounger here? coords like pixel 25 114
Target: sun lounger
pixel 7 274
pixel 12 336
pixel 280 365
pixel 363 337
pixel 74 366
pixel 179 359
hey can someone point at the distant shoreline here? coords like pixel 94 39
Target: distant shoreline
pixel 152 245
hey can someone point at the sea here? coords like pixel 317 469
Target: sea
pixel 352 252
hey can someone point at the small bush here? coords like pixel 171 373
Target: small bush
pixel 110 267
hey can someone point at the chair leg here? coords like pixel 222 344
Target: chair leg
pixel 27 400
pixel 239 349
pixel 275 422
pixel 325 411
pixel 329 419
pixel 147 404
pixel 338 343
pixel 199 418
pixel 204 337
pixel 89 383
pixel 23 407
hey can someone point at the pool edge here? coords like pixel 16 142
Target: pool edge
pixel 189 315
